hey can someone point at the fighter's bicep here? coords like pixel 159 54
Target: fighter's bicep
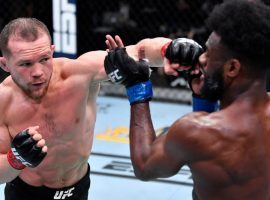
pixel 6 98
pixel 161 162
pixel 92 65
pixel 5 139
pixel 175 143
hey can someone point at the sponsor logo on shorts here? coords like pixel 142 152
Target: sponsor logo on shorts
pixel 63 194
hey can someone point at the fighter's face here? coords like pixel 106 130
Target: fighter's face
pixel 213 61
pixel 213 87
pixel 30 65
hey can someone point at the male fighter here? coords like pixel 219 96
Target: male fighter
pixel 53 100
pixel 228 151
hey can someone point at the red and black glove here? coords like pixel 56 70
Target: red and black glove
pixel 186 52
pixel 183 51
pixel 24 152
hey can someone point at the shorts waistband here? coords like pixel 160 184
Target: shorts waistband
pixel 44 189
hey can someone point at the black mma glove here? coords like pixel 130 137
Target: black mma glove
pixel 186 52
pixel 24 151
pixel 123 69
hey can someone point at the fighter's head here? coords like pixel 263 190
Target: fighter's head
pixel 27 55
pixel 239 45
pixel 28 29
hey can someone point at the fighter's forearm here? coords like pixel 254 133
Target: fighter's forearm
pixel 142 135
pixel 149 49
pixel 7 173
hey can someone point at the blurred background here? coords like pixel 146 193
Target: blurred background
pixel 78 26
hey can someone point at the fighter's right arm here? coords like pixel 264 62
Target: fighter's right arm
pixel 27 148
pixel 7 173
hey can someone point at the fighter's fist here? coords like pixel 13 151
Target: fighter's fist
pixel 121 68
pixel 183 51
pixel 27 149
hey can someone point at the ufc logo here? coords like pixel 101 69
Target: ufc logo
pixel 114 76
pixel 18 157
pixel 63 194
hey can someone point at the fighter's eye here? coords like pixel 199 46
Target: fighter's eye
pixel 44 60
pixel 26 64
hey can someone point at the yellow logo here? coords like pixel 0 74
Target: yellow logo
pixel 121 134
pixel 118 134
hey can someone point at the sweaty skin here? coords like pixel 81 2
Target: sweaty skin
pixel 59 95
pixel 227 151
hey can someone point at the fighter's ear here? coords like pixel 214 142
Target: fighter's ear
pixel 3 63
pixel 232 68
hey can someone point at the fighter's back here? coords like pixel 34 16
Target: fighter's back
pixel 236 153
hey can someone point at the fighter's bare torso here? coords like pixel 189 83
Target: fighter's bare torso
pixel 235 163
pixel 64 122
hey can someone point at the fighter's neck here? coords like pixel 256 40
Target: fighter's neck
pixel 253 92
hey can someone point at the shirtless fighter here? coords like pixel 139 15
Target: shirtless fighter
pixel 228 151
pixel 48 112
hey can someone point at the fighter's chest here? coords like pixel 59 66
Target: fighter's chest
pixel 58 118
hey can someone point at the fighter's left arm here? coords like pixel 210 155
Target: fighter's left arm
pixel 163 156
pixel 91 64
pixel 148 48
pixel 152 156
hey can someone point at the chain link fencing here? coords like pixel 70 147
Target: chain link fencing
pixel 133 20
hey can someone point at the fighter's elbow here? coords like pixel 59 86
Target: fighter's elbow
pixel 142 175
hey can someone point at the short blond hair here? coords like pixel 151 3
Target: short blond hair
pixel 29 29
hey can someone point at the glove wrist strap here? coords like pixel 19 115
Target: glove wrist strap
pixel 163 49
pixel 201 104
pixel 140 92
pixel 14 162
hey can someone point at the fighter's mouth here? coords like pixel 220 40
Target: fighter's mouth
pixel 37 85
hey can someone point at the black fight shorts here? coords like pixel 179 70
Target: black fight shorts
pixel 19 190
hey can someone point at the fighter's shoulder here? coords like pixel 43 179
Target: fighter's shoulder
pixel 195 134
pixel 198 119
pixel 60 63
pixel 64 67
pixel 92 60
pixel 198 125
